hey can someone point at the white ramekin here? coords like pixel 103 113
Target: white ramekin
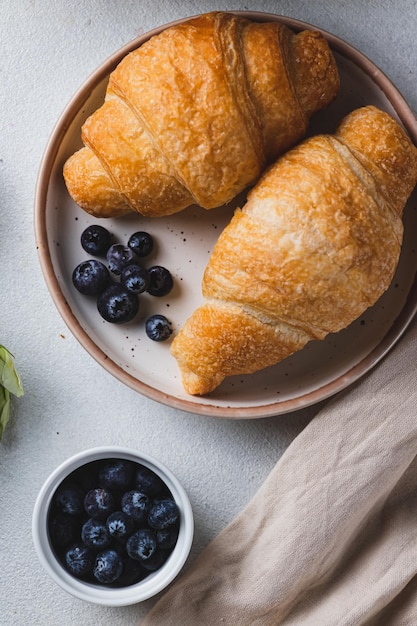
pixel 154 582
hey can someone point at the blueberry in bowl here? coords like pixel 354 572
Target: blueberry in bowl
pixel 118 257
pixel 91 277
pixel 112 526
pixel 96 240
pixel 158 328
pixel 141 243
pixel 160 281
pixel 135 278
pixel 120 525
pixel 117 305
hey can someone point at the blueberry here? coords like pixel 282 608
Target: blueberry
pixel 85 476
pixel 135 504
pixel 69 498
pixel 63 529
pixel 118 257
pixel 117 305
pixel 135 278
pixel 99 503
pixel 141 243
pixel 147 481
pixel 141 545
pixel 79 560
pixel 155 561
pixel 161 281
pixel 158 328
pixel 96 240
pixel 163 513
pixel 116 474
pixel 90 277
pixel 132 573
pixel 166 538
pixel 108 566
pixel 94 534
pixel 119 525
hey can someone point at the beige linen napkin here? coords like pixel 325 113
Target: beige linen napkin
pixel 330 539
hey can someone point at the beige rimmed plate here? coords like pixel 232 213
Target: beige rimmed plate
pixel 184 242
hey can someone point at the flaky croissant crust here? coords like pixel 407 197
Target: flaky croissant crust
pixel 316 244
pixel 195 113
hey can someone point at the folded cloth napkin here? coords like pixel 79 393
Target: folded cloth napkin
pixel 330 539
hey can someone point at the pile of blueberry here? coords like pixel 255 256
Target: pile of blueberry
pixel 113 522
pixel 118 284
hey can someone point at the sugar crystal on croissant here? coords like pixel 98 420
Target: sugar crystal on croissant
pixel 316 244
pixel 195 114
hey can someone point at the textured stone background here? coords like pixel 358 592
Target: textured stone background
pixel 71 403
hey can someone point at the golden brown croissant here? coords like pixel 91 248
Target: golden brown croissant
pixel 316 244
pixel 195 113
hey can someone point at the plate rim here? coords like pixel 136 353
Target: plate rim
pixel 327 390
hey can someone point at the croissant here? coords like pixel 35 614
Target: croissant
pixel 195 114
pixel 316 244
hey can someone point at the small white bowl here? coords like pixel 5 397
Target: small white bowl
pixel 96 593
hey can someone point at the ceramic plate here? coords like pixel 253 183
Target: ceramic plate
pixel 184 243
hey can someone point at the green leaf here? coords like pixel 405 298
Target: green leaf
pixel 4 408
pixel 9 383
pixel 9 378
